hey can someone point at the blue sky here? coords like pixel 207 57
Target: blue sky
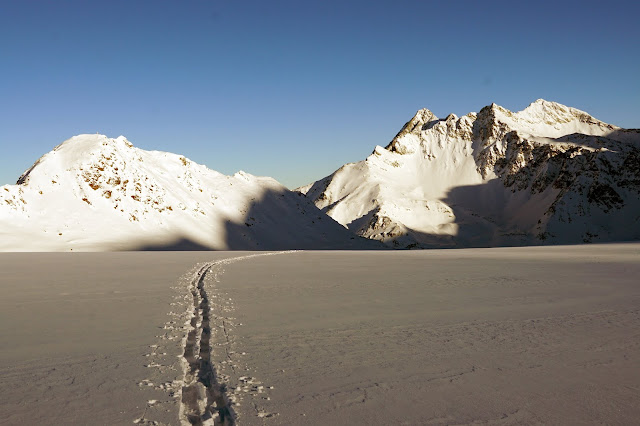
pixel 295 89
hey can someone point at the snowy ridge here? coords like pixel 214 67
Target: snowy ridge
pixel 547 174
pixel 96 193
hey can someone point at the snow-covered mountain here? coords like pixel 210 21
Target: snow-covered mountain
pixel 96 193
pixel 549 174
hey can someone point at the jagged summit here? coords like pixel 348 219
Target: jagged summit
pixel 546 174
pixel 540 116
pixel 417 122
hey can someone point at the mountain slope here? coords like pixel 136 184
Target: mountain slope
pixel 96 193
pixel 549 174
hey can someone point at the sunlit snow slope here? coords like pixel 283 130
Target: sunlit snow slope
pixel 549 174
pixel 96 193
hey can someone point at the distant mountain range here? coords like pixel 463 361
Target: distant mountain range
pixel 549 174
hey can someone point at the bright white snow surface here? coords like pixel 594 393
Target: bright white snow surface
pixel 527 335
pixel 547 174
pixel 94 193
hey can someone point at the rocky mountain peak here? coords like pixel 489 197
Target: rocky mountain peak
pixel 414 126
pixel 546 174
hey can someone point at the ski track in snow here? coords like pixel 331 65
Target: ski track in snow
pixel 203 396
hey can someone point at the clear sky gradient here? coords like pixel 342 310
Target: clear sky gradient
pixel 295 89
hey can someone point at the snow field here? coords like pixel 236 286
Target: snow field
pixel 513 335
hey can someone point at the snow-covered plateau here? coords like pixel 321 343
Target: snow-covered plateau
pixel 94 193
pixel 549 174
